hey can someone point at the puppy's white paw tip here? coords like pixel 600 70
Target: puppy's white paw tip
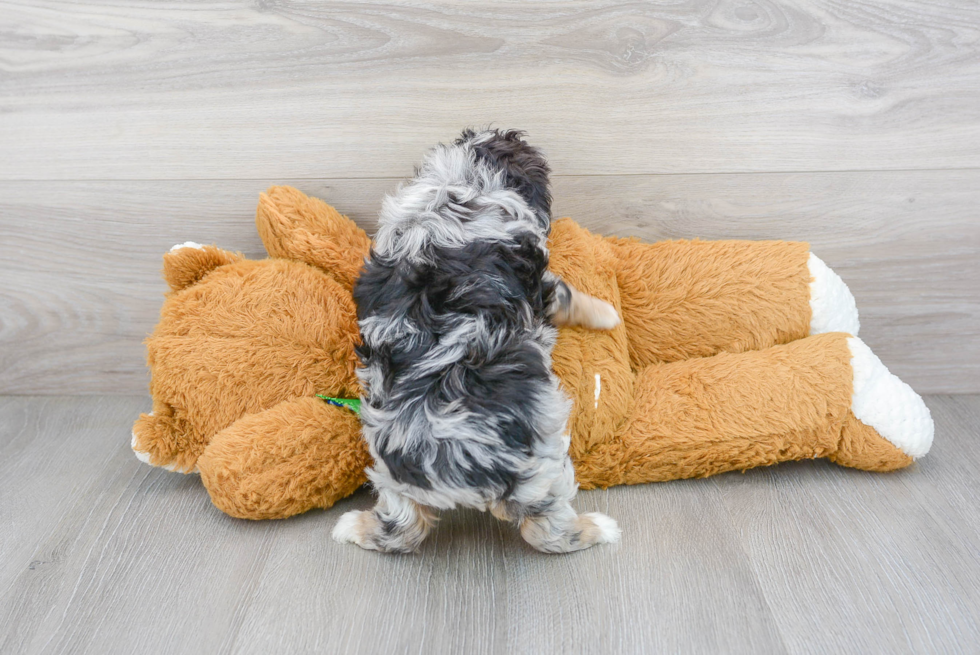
pixel 604 316
pixel 345 532
pixel 609 532
pixel 187 244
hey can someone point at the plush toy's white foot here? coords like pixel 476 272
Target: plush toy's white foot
pixel 187 244
pixel 887 404
pixel 832 306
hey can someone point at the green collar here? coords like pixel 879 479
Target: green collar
pixel 353 404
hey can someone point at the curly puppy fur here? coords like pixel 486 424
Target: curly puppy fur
pixel 457 313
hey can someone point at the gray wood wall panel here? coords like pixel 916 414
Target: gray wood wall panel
pixel 193 90
pixel 100 553
pixel 81 260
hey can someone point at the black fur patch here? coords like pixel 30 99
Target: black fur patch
pixel 501 283
pixel 525 168
pixel 443 404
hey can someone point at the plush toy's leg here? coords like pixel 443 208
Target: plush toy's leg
pixel 295 226
pixel 884 405
pixel 823 396
pixel 300 454
pixel 684 299
pixel 186 263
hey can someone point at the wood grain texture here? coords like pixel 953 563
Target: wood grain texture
pixel 302 88
pixel 82 259
pixel 870 563
pixel 100 553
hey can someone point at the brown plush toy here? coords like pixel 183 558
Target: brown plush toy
pixel 731 355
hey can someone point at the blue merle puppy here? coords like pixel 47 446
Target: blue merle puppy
pixel 457 312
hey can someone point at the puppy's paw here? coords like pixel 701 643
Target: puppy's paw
pixel 348 529
pixel 603 529
pixel 600 315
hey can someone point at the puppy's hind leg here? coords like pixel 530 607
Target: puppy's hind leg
pixel 396 525
pixel 558 529
pixel 551 525
pixel 570 306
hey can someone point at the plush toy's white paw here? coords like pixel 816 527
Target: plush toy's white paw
pixel 345 532
pixel 144 456
pixel 187 244
pixel 609 532
pixel 832 306
pixel 140 455
pixel 887 404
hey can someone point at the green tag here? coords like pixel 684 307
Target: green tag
pixel 353 404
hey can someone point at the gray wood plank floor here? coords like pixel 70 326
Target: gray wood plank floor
pixel 99 553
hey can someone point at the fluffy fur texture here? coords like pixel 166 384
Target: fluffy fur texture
pixel 832 306
pixel 711 370
pixel 887 404
pixel 461 406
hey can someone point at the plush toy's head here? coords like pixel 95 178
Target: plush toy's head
pixel 238 336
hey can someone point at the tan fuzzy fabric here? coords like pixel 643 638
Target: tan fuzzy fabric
pixel 684 299
pixel 733 411
pixel 293 225
pixel 187 266
pixel 711 369
pixel 861 447
pixel 271 464
pixel 246 337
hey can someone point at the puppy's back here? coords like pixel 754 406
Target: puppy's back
pixel 456 343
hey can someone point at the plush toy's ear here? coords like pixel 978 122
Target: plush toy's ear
pixel 295 226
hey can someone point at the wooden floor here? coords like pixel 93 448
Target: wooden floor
pixel 103 554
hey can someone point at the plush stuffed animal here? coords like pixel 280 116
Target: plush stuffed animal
pixel 731 355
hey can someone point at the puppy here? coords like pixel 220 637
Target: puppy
pixel 457 313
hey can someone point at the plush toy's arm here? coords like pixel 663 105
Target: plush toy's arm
pixel 293 225
pixel 684 299
pixel 187 263
pixel 823 396
pixel 300 454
